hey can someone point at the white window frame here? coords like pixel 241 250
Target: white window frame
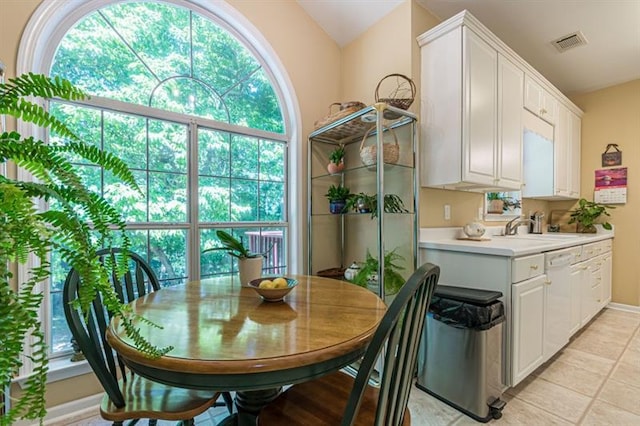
pixel 51 21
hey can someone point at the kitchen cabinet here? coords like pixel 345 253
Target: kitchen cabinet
pixel 567 155
pixel 474 92
pixel 540 101
pixel 595 288
pixel 577 281
pixel 337 240
pixel 528 303
pixel 606 273
pixel 535 307
pixel 472 98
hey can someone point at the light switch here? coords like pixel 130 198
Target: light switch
pixel 447 212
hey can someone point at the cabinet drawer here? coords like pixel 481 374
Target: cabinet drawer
pixel 523 268
pixel 595 249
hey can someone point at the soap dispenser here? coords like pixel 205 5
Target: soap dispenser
pixel 535 226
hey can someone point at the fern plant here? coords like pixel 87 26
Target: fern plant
pixel 393 281
pixel 78 224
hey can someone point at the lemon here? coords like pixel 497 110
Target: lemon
pixel 280 283
pixel 266 284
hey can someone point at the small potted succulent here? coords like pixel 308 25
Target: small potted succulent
pixel 338 196
pixel 336 160
pixel 586 214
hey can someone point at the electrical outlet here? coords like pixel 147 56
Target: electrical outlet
pixel 447 212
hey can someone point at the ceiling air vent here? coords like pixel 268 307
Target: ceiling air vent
pixel 570 41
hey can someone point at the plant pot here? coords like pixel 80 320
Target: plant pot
pixel 337 206
pixel 334 168
pixel 583 229
pixel 495 207
pixel 363 206
pixel 250 268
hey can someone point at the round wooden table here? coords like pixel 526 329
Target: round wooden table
pixel 226 338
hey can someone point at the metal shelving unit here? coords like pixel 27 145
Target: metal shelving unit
pixel 336 240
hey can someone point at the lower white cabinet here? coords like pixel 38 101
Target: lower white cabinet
pixel 523 282
pixel 591 283
pixel 578 274
pixel 607 265
pixel 528 304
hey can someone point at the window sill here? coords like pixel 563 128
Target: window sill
pixel 504 217
pixel 60 369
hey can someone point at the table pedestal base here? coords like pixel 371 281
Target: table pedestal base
pixel 249 404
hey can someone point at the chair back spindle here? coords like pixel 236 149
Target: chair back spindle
pixel 89 330
pixel 398 339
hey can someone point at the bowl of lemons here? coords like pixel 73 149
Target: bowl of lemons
pixel 273 289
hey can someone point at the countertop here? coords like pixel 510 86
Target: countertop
pixel 511 246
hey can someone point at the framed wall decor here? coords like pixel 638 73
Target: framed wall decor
pixel 613 158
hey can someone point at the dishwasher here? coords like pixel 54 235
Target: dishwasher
pixel 557 319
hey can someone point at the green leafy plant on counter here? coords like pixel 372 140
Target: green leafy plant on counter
pixel 586 215
pixel 77 223
pixel 368 272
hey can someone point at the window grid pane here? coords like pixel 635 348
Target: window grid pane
pixel 184 63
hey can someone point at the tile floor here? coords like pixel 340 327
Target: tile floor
pixel 595 380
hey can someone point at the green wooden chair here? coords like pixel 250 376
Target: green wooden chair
pixel 131 397
pixel 339 399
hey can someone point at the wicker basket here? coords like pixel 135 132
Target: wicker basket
pixel 345 109
pixel 390 151
pixel 396 98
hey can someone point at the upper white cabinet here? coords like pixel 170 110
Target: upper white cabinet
pixel 567 154
pixel 472 99
pixel 539 101
pixel 474 93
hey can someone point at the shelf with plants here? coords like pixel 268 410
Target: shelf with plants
pixel 358 232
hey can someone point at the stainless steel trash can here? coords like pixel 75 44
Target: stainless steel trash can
pixel 460 359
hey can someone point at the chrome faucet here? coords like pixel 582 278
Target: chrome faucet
pixel 511 228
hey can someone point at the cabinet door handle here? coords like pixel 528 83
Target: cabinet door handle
pixel 534 267
pixel 543 111
pixel 547 282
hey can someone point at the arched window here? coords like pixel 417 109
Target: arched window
pixel 198 116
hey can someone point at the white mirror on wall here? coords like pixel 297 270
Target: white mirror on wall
pixel 501 206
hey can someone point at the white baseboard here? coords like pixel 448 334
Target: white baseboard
pixel 69 412
pixel 623 307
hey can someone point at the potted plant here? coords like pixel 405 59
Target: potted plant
pixel 364 203
pixel 77 224
pixel 367 276
pixel 338 196
pixel 249 263
pixel 336 160
pixel 586 215
pixel 392 204
pixel 496 203
pixel 511 204
pixel 361 203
